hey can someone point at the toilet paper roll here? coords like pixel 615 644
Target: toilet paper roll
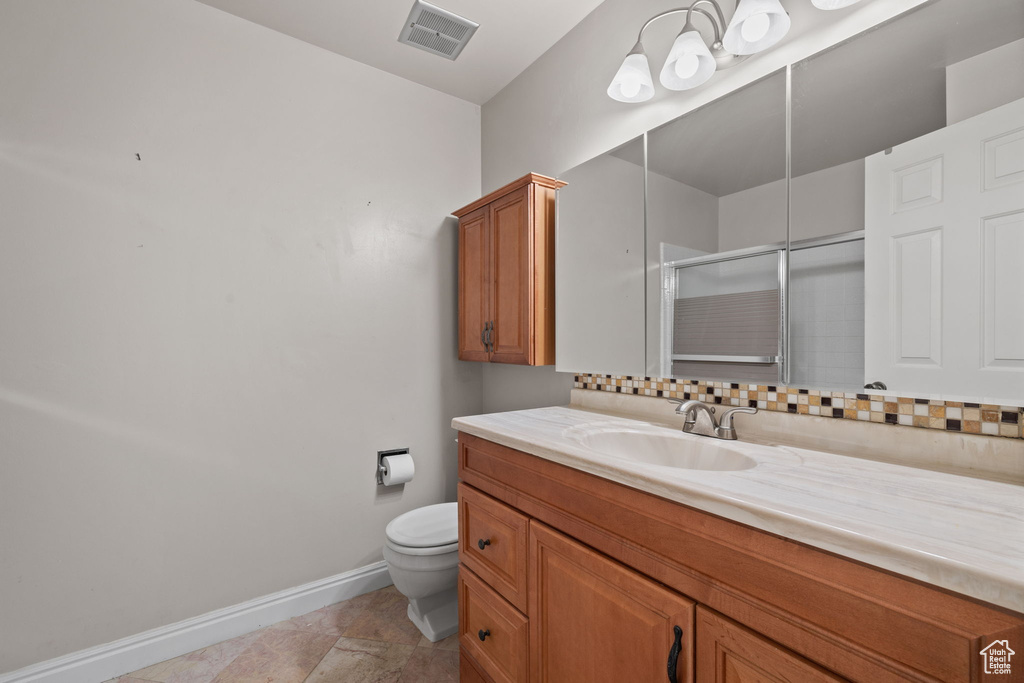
pixel 398 469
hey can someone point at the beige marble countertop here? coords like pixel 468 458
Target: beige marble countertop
pixel 961 533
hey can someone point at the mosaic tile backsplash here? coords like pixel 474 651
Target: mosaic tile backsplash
pixel 952 416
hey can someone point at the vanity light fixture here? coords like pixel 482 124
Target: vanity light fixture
pixel 756 25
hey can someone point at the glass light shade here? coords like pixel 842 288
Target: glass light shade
pixel 633 82
pixel 755 28
pixel 833 4
pixel 689 62
pixel 736 39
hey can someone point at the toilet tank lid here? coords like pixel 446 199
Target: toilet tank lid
pixel 426 527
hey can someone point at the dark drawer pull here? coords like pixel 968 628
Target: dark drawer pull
pixel 483 634
pixel 673 654
pixel 483 544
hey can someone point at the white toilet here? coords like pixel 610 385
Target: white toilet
pixel 422 552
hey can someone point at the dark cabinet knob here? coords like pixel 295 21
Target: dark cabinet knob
pixel 482 634
pixel 483 543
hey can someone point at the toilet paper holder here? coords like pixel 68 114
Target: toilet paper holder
pixel 380 464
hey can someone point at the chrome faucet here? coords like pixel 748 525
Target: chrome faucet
pixel 700 419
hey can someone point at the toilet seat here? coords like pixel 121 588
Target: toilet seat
pixel 422 552
pixel 429 530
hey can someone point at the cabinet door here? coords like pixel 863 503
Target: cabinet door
pixel 593 620
pixel 474 284
pixel 511 266
pixel 730 653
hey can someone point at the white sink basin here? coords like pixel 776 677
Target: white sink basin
pixel 664 448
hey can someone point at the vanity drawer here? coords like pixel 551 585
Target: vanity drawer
pixel 492 542
pixel 492 632
pixel 469 672
pixel 726 651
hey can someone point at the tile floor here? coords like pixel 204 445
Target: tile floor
pixel 368 639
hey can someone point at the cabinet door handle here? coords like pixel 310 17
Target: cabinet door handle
pixel 483 543
pixel 489 327
pixel 482 634
pixel 673 654
pixel 483 337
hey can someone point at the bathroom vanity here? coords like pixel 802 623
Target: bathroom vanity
pixel 589 554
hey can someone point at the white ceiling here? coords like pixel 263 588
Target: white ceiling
pixel 732 144
pixel 512 35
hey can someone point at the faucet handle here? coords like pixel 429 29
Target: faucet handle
pixel 683 406
pixel 679 404
pixel 726 420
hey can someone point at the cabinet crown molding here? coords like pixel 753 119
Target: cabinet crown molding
pixel 535 178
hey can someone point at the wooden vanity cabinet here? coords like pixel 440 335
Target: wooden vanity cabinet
pixel 585 610
pixel 507 274
pixel 611 571
pixel 469 672
pixel 593 619
pixel 729 653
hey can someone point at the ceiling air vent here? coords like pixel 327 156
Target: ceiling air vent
pixel 437 30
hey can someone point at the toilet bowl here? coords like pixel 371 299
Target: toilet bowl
pixel 422 552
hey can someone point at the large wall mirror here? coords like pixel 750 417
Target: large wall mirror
pixel 599 261
pixel 716 238
pixel 908 190
pixel 889 256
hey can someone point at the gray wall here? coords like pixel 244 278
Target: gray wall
pixel 752 217
pixel 984 82
pixel 599 268
pixel 203 350
pixel 824 202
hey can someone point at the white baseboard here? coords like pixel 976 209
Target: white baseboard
pixel 104 662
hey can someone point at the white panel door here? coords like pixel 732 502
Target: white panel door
pixel 944 261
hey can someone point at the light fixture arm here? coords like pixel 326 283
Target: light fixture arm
pixel 718 25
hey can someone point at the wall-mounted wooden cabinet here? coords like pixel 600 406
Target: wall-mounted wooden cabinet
pixel 507 274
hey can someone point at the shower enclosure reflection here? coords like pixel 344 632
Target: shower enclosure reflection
pixel 716 238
